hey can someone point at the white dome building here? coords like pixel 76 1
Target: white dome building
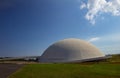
pixel 71 50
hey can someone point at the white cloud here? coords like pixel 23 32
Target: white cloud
pixel 110 49
pixel 111 38
pixel 93 39
pixel 97 7
pixel 83 6
pixel 109 44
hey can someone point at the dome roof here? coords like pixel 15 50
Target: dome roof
pixel 70 50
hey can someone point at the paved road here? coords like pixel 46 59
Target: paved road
pixel 7 69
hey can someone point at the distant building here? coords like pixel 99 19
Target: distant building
pixel 71 50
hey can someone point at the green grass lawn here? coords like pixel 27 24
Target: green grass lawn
pixel 100 70
pixel 115 58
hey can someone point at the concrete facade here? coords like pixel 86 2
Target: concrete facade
pixel 70 50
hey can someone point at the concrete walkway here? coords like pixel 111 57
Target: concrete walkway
pixel 8 69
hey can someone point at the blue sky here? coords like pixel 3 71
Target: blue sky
pixel 28 27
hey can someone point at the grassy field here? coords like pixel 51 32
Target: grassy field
pixel 68 71
pixel 108 69
pixel 115 58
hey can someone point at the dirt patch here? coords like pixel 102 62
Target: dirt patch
pixel 7 69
